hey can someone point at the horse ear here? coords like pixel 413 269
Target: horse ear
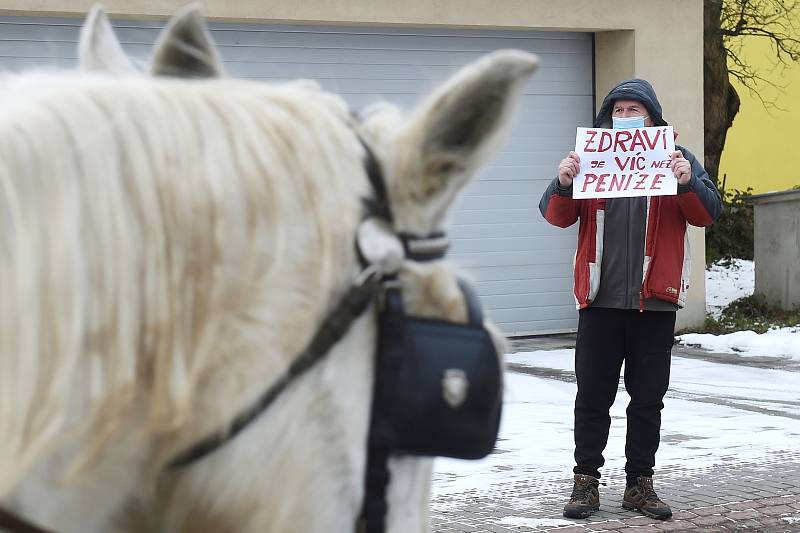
pixel 185 49
pixel 98 47
pixel 458 125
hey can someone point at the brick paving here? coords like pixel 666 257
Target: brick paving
pixel 761 496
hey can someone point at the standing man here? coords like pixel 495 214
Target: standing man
pixel 631 276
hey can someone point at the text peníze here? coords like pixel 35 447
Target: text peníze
pixel 624 162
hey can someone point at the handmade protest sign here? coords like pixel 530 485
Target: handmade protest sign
pixel 630 162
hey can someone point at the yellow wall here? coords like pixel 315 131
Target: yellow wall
pixel 761 150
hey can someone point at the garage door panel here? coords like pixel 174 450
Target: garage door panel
pixel 68 34
pixel 18 64
pixel 397 39
pixel 552 110
pixel 359 31
pixel 37 29
pixel 383 86
pixel 526 160
pixel 511 201
pixel 522 301
pixel 502 187
pixel 50 49
pixel 537 109
pixel 513 258
pixel 528 286
pixel 535 313
pixel 401 38
pixel 514 174
pixel 506 243
pixel 548 271
pixel 541 327
pixel 518 173
pixel 353 64
pixel 530 144
pixel 416 86
pixel 509 220
pixel 498 228
pixel 362 56
pixel 534 138
pixel 522 265
pixel 272 61
pixel 380 56
pixel 344 68
pixel 566 61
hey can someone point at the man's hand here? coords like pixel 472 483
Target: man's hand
pixel 569 167
pixel 680 167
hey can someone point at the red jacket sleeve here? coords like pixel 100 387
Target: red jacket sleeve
pixel 558 207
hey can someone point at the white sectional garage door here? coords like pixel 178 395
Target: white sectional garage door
pixel 521 264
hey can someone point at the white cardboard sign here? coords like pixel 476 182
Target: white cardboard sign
pixel 620 163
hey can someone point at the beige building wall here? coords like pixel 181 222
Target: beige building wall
pixel 659 40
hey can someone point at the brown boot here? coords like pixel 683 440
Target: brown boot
pixel 643 498
pixel 585 498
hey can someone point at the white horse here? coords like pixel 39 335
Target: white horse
pixel 169 246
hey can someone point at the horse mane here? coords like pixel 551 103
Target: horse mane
pixel 147 229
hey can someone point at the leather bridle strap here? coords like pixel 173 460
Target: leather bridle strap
pixel 15 524
pixel 332 330
pixel 354 303
pixel 378 204
pixel 376 480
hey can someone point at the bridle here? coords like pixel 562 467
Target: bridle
pixel 371 282
pixel 355 301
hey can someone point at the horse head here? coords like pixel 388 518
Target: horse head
pixel 243 215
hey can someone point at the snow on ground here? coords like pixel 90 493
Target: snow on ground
pixel 521 521
pixel 724 285
pixel 715 413
pixel 779 342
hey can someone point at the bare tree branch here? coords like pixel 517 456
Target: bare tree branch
pixel 774 20
pixel 728 25
pixel 755 83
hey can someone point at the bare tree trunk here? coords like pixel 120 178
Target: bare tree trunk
pixel 721 102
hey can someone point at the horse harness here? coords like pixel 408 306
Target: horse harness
pixel 437 388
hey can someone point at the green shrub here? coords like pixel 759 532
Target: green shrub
pixel 731 236
pixel 750 313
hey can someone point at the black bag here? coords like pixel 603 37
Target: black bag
pixel 438 384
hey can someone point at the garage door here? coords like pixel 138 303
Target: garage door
pixel 522 265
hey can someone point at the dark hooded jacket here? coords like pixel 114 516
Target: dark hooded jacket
pixel 628 228
pixel 635 89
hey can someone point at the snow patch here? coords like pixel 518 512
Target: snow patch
pixel 724 284
pixel 778 342
pixel 715 414
pixel 534 522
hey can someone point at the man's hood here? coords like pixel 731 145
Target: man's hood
pixel 635 89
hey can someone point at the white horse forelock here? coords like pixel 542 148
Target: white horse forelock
pixel 164 227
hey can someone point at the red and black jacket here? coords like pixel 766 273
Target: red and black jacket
pixel 663 224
